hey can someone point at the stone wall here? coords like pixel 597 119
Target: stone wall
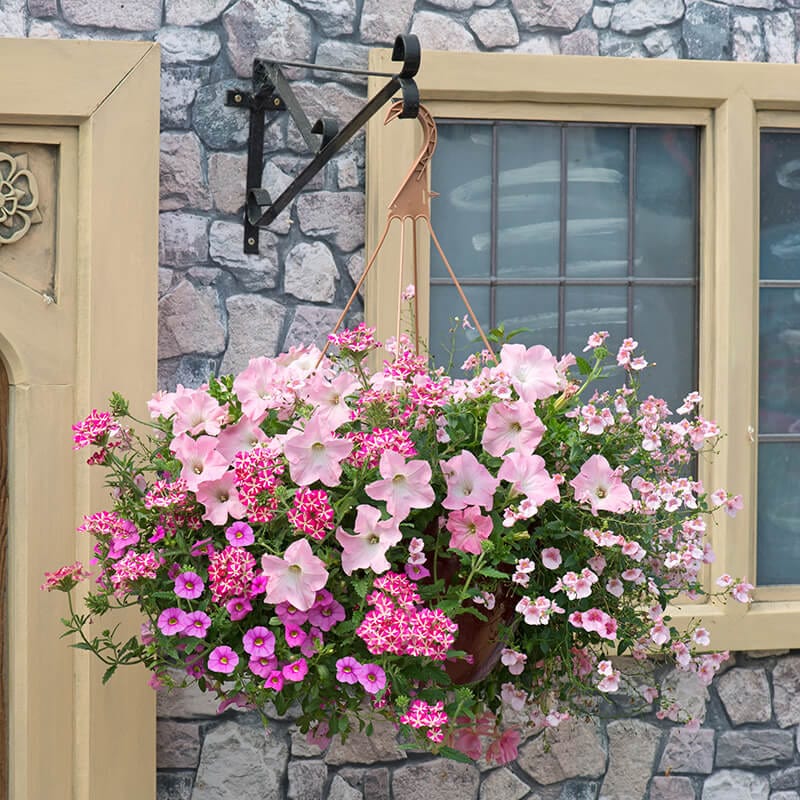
pixel 218 307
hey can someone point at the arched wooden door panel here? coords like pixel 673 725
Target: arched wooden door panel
pixel 79 141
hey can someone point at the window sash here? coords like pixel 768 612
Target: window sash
pixel 729 101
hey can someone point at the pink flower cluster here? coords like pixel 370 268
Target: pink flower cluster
pixel 426 715
pixel 396 625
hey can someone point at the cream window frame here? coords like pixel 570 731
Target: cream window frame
pixel 729 102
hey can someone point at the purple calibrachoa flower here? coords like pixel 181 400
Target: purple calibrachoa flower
pixel 296 670
pixel 262 666
pixel 240 534
pixel 238 608
pixel 346 670
pixel 294 636
pixel 197 624
pixel 189 585
pixel 274 680
pixel 223 659
pixel 259 641
pixel 325 615
pixel 371 677
pixel 172 621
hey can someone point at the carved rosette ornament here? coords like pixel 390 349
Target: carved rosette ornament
pixel 19 198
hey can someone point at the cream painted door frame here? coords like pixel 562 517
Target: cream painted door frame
pixel 76 321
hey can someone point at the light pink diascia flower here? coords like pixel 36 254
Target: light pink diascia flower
pixel 469 483
pixel 296 577
pixel 405 485
pixel 367 548
pixel 601 486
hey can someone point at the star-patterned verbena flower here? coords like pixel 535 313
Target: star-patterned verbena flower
pixel 19 198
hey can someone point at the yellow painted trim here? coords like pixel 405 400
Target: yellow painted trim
pixel 728 101
pixel 71 737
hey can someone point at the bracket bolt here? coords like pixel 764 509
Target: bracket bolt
pixel 251 241
pixel 276 101
pixel 237 98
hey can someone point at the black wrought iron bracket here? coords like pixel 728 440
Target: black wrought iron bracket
pixel 272 93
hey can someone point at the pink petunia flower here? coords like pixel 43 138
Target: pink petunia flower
pixel 197 412
pixel 528 476
pixel 468 529
pixel 221 499
pixel 405 485
pixel 242 437
pixel 262 666
pixel 532 370
pixel 223 659
pixel 296 577
pixel 200 459
pixel 469 483
pixel 315 454
pixel 599 484
pixel 367 548
pixel 512 425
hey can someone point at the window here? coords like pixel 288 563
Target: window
pixel 668 253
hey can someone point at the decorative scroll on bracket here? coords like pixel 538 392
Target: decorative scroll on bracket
pixel 19 198
pixel 272 92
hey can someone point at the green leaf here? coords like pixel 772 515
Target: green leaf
pixel 583 365
pixel 455 755
pixel 109 672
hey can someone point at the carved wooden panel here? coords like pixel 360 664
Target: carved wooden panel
pixel 28 214
pixel 4 407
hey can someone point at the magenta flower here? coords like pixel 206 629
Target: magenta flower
pixel 367 548
pixel 189 585
pixel 601 486
pixel 512 425
pixel 296 577
pixel 469 483
pixel 223 659
pixel 287 614
pixel 294 636
pixel 259 641
pixel 296 670
pixel 238 608
pixel 312 643
pixel 347 669
pixel 171 621
pixel 274 680
pixel 405 485
pixel 240 534
pixel 468 528
pixel 325 615
pixel 315 454
pixel 262 666
pixel 371 677
pixel 417 571
pixel 197 624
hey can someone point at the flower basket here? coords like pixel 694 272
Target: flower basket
pixel 464 554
